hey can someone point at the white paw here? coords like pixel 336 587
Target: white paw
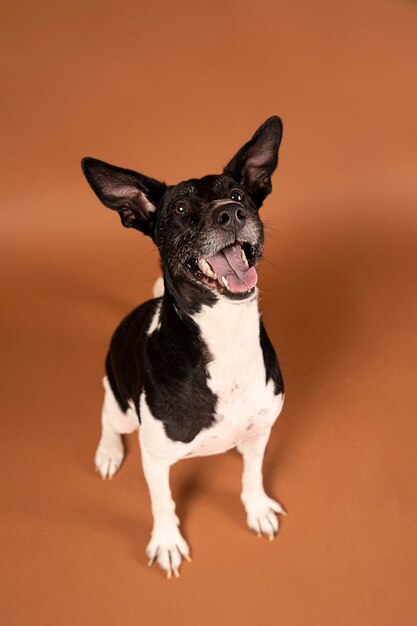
pixel 168 547
pixel 262 514
pixel 109 456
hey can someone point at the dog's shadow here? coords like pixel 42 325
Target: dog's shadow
pixel 324 291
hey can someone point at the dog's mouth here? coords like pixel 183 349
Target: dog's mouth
pixel 231 270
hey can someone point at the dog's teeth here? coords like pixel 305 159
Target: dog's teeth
pixel 206 269
pixel 244 259
pixel 224 280
pixel 212 274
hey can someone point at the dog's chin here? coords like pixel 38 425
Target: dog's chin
pixel 230 272
pixel 239 297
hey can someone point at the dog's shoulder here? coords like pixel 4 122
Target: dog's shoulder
pixel 124 362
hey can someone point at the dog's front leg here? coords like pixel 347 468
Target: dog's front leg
pixel 261 510
pixel 167 545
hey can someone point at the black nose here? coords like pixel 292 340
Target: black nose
pixel 230 217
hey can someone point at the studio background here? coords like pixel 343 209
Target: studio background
pixel 173 89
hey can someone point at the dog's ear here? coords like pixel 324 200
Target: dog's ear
pixel 134 196
pixel 256 161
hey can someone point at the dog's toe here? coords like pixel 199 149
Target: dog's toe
pixel 168 548
pixel 262 515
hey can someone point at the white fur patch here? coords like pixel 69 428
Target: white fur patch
pixel 158 288
pixel 113 416
pixel 154 325
pixel 246 405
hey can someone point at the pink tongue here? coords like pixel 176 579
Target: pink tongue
pixel 228 263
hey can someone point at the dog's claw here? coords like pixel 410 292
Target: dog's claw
pixel 263 515
pixel 167 548
pixel 109 457
pixel 187 557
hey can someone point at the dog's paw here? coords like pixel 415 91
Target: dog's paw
pixel 109 456
pixel 168 548
pixel 262 515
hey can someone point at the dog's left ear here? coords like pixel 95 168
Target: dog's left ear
pixel 256 161
pixel 134 196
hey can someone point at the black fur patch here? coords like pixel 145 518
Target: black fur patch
pixel 124 362
pixel 169 366
pixel 176 387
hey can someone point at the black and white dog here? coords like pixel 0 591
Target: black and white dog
pixel 193 369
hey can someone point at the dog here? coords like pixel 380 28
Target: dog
pixel 193 369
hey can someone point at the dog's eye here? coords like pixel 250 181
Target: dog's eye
pixel 181 207
pixel 236 195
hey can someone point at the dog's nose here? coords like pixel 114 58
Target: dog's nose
pixel 230 217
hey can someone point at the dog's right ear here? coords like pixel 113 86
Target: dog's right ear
pixel 134 196
pixel 256 161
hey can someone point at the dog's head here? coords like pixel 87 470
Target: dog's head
pixel 208 230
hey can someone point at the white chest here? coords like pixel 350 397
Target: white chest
pixel 246 403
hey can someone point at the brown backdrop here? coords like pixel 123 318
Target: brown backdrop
pixel 173 89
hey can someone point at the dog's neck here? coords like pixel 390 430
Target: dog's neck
pixel 186 298
pixel 229 325
pixel 229 329
pixel 191 301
